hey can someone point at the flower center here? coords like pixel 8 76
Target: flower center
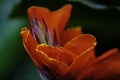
pixel 40 35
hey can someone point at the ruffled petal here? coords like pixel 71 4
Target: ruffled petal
pixel 79 63
pixel 81 43
pixel 57 53
pixel 30 45
pixel 70 34
pixel 55 67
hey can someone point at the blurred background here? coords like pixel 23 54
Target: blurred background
pixel 98 17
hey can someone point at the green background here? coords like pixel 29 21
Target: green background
pixel 15 64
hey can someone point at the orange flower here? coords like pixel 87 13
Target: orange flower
pixel 65 55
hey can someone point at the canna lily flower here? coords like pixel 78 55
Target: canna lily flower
pixel 65 55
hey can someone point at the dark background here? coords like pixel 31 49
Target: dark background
pixel 15 64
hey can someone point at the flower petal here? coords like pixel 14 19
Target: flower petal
pixel 30 45
pixel 106 67
pixel 58 20
pixel 70 34
pixel 80 63
pixel 41 60
pixel 56 53
pixel 81 43
pixel 57 68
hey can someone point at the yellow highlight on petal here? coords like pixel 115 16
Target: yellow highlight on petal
pixel 42 45
pixel 23 30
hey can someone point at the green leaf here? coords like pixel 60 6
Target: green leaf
pixel 91 4
pixel 100 4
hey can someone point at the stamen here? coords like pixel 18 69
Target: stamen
pixel 38 36
pixel 41 36
pixel 49 36
pixel 35 37
pixel 37 30
pixel 45 74
pixel 56 43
